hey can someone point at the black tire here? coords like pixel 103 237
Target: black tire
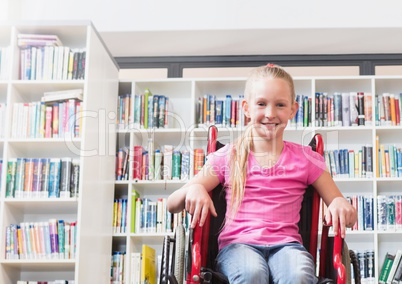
pixel 356 266
pixel 164 275
pixel 180 239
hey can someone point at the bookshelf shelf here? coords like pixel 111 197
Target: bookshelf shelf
pixel 185 97
pixel 83 52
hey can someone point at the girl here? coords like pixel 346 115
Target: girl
pixel 265 178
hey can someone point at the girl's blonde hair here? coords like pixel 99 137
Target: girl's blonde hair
pixel 241 148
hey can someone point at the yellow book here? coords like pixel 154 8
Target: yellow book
pixel 148 265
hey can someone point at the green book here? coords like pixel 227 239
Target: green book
pixel 134 196
pixel 386 267
pixel 147 94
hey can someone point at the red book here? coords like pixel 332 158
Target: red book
pixel 233 114
pixel 137 162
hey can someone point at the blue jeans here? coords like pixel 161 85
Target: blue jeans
pixel 284 263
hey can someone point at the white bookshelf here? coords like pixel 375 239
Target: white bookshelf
pixel 96 183
pixel 184 95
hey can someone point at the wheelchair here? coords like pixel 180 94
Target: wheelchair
pixel 337 264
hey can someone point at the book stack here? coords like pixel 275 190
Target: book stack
pixel 303 115
pixel 389 212
pixel 47 119
pixel 120 215
pixel 166 164
pixel 42 178
pixel 118 267
pixel 389 107
pixel 55 239
pixel 389 160
pixel 144 266
pixel 43 57
pixel 348 163
pixel 222 113
pixel 151 216
pixel 343 109
pixel 391 270
pixel 364 206
pixel 143 111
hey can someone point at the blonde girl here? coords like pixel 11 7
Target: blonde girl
pixel 264 178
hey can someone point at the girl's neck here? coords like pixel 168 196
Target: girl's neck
pixel 272 147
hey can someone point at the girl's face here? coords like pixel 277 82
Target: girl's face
pixel 270 107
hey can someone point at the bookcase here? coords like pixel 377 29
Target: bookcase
pixel 93 148
pixel 186 133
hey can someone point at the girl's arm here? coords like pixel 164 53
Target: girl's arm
pixel 340 211
pixel 194 197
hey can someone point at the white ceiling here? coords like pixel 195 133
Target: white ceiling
pixel 255 42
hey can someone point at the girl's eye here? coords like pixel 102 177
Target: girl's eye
pixel 261 104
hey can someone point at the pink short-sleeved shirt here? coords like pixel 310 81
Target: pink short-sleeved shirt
pixel 270 209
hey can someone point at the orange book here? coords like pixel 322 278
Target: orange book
pixel 392 109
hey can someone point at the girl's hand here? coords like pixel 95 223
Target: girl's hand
pixel 341 212
pixel 198 203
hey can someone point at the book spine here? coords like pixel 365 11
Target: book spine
pixel 65 177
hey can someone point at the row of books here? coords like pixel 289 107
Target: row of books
pixel 55 239
pixel 118 267
pixel 366 262
pixel 46 282
pixel 43 57
pixel 391 269
pixel 389 161
pixel 41 120
pixel 347 163
pixel 145 266
pixel 388 109
pixel 225 113
pixel 389 212
pixel 3 120
pixel 119 215
pixel 4 55
pixel 151 216
pixel 165 163
pixel 143 111
pixel 42 178
pixel 364 206
pixel 343 109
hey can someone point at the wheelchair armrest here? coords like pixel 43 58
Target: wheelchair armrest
pixel 336 255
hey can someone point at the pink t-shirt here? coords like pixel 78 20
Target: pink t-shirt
pixel 270 209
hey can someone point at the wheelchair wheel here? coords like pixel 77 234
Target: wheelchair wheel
pixel 164 274
pixel 346 262
pixel 179 253
pixel 356 267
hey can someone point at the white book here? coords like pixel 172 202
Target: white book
pixel 63 95
pixel 135 268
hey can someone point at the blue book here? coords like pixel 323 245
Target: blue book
pixel 218 112
pixel 228 106
pixel 337 163
pixel 368 213
pixel 54 178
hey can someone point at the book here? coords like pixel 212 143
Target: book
pixel 135 268
pixel 148 265
pixel 386 267
pixel 398 273
pixel 397 259
pixel 63 95
pixel 24 40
